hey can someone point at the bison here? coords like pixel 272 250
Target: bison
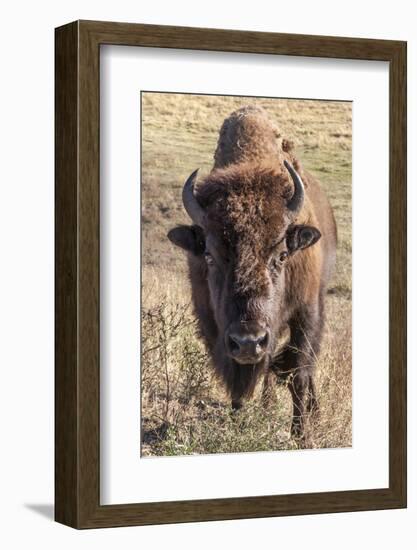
pixel 261 249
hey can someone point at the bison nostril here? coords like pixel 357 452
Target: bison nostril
pixel 234 343
pixel 263 340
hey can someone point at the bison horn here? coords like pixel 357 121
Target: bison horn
pixel 296 201
pixel 193 209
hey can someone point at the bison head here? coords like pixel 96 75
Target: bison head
pixel 246 237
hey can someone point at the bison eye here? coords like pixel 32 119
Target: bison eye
pixel 209 258
pixel 283 256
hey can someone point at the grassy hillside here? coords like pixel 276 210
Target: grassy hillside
pixel 184 409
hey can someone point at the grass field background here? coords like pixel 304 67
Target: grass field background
pixel 184 408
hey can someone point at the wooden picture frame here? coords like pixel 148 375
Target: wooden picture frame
pixel 77 374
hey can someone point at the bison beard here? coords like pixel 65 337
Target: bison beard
pixel 260 253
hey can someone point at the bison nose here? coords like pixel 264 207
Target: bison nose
pixel 247 347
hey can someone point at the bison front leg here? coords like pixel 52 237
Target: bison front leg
pixel 298 386
pixel 242 383
pixel 236 403
pixel 312 403
pixel 298 362
pixel 268 390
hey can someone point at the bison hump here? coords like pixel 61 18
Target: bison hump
pixel 248 135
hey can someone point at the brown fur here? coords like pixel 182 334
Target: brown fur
pixel 248 226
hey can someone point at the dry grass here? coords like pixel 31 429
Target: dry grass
pixel 184 409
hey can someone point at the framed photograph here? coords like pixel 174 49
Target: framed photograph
pixel 230 274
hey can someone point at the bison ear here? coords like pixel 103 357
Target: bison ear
pixel 188 237
pixel 301 236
